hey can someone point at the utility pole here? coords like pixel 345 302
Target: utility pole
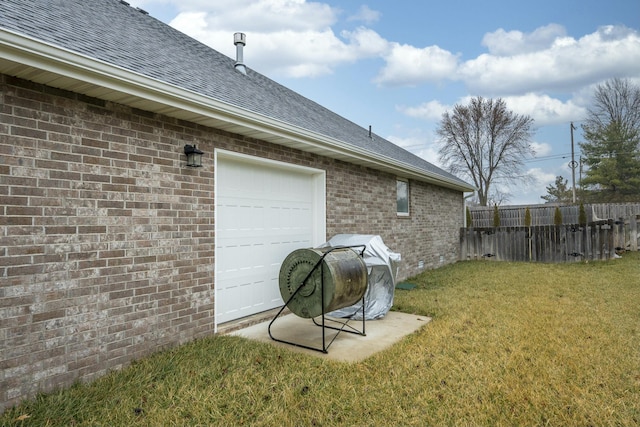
pixel 573 165
pixel 581 175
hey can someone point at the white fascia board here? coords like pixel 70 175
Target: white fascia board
pixel 25 50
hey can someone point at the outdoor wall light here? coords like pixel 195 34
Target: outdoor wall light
pixel 194 156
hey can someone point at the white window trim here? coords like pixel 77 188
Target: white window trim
pixel 407 213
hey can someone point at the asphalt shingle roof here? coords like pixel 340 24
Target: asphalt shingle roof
pixel 114 32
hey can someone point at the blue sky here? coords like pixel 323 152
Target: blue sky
pixel 398 65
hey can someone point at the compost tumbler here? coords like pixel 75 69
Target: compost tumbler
pixel 316 281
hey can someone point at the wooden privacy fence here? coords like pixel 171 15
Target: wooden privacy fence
pixel 549 243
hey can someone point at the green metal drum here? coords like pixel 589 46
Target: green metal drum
pixel 345 280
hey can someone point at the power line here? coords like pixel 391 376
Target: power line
pixel 545 158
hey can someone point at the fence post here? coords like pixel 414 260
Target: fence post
pixel 619 238
pixel 597 247
pixel 588 242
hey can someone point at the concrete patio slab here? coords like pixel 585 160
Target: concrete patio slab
pixel 380 334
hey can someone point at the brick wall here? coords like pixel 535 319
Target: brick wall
pixel 430 234
pixel 107 238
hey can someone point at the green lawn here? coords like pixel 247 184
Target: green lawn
pixel 509 344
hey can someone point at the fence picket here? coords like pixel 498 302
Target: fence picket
pixel 633 232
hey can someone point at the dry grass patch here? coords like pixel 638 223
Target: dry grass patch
pixel 509 344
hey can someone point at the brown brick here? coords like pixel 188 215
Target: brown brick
pixel 23 250
pixel 24 210
pixel 15 259
pixel 29 191
pixel 140 159
pixel 92 229
pixel 119 212
pixel 50 164
pixel 89 151
pixel 13 200
pixel 123 180
pixel 118 204
pixel 65 175
pixel 16 220
pixel 66 157
pixel 54 127
pixel 112 254
pixel 91 264
pixel 49 315
pixel 96 160
pixel 61 230
pixel 116 188
pixel 89 142
pixel 84 255
pixel 95 177
pixel 28 132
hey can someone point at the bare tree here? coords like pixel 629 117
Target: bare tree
pixel 487 143
pixel 614 101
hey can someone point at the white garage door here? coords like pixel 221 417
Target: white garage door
pixel 264 211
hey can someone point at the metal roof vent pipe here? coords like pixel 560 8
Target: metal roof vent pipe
pixel 240 40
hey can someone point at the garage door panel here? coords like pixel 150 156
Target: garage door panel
pixel 287 218
pixel 239 214
pixel 249 238
pixel 263 213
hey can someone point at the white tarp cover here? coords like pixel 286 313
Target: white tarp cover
pixel 382 267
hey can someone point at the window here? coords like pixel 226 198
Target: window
pixel 402 196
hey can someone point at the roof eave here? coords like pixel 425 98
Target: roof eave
pixel 52 65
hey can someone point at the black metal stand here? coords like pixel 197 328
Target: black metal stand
pixel 345 327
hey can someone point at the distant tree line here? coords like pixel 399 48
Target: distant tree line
pixel 488 144
pixel 610 158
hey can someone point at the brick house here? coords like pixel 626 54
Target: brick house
pixel 112 247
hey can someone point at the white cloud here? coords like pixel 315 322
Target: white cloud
pixel 298 54
pixel 544 109
pixel 542 148
pixel 431 111
pixel 365 43
pixel 541 177
pixel 565 64
pixel 520 63
pixel 366 15
pixel 410 66
pixel 263 16
pixel 506 43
